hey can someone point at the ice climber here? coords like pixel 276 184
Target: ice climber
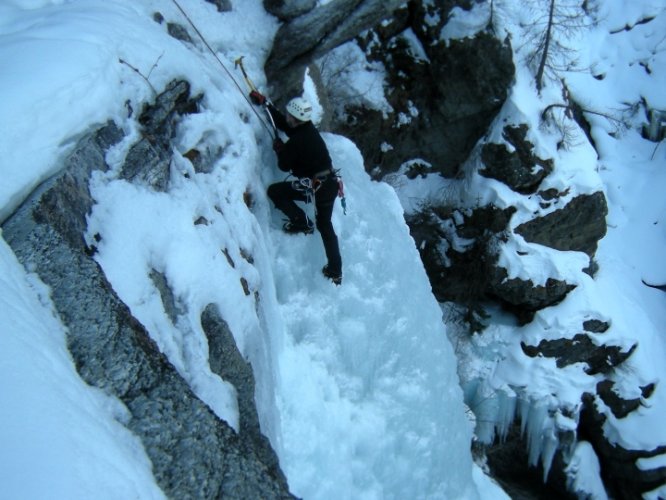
pixel 306 157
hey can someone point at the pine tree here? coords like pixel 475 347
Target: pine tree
pixel 556 23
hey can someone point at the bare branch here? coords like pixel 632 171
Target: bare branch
pixel 121 61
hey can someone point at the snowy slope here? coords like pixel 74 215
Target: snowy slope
pixel 356 385
pixel 621 74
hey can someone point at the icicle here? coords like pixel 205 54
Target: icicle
pixel 549 444
pixel 482 402
pixel 506 413
pixel 536 419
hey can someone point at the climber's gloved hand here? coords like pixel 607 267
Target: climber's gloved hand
pixel 278 144
pixel 257 98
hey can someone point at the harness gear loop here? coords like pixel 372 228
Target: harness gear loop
pixel 310 186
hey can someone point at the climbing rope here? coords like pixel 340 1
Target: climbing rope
pixel 273 132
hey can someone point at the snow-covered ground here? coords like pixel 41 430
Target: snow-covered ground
pixel 621 73
pixel 356 385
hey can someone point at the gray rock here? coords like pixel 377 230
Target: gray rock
pixel 148 161
pixel 287 10
pixel 596 326
pixel 194 454
pixel 580 349
pixel 621 475
pixel 523 297
pixel 619 406
pixel 305 38
pixel 578 226
pixel 221 5
pixel 179 32
pixel 458 274
pixel 226 361
pixel 519 169
pixel 172 307
pixel 457 95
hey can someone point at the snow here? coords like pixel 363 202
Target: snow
pixel 623 76
pixel 465 23
pixel 352 80
pixel 60 438
pixel 356 385
pixel 583 473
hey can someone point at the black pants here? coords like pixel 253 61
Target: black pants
pixel 283 195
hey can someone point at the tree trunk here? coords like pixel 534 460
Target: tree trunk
pixel 546 47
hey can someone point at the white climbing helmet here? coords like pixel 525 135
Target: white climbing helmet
pixel 300 109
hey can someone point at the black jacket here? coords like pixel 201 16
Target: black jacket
pixel 305 153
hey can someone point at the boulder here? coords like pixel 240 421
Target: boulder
pixel 524 297
pixel 578 226
pixel 517 167
pixel 580 349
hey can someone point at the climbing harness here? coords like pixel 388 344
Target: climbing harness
pixel 263 122
pixel 310 186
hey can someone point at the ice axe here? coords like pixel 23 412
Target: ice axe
pixel 239 63
pixel 253 88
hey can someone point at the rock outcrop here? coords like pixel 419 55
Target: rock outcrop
pixel 286 10
pixel 578 226
pixel 194 453
pixel 518 168
pixel 444 94
pixel 310 35
pixel 620 472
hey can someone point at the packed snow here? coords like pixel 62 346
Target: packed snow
pixel 357 387
pixel 619 77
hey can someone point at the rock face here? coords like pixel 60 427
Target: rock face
pixel 454 96
pixel 456 249
pixel 620 472
pixel 441 105
pixel 304 38
pixel 148 160
pixel 459 252
pixel 286 10
pixel 578 226
pixel 194 454
pixel 519 168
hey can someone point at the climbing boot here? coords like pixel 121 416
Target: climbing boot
pixel 292 227
pixel 334 277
